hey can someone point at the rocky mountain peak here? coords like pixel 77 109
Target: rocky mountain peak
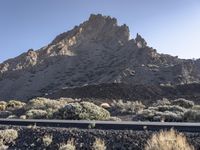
pixel 95 52
pixel 97 28
pixel 100 20
pixel 141 43
pixel 107 24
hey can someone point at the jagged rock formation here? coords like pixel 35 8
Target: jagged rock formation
pixel 97 51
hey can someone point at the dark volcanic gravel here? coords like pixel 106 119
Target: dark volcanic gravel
pixel 31 138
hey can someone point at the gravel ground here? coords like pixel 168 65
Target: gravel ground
pixel 31 138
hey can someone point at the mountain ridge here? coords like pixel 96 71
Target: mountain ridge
pixel 95 52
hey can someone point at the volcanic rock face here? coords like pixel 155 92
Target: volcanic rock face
pixel 141 43
pixel 97 51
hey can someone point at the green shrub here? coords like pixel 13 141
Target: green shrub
pixel 169 116
pixel 44 103
pixel 183 103
pixel 12 117
pixel 128 107
pixel 192 116
pixel 146 114
pixel 36 114
pixel 82 110
pixel 15 104
pixel 196 107
pixel 162 102
pixel 162 113
pixel 45 108
pixel 172 108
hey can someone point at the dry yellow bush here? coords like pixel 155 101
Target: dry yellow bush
pixel 99 144
pixel 2 145
pixel 168 140
pixel 2 105
pixel 36 114
pixel 45 103
pixel 69 146
pixel 127 107
pixel 8 135
pixel 47 140
pixel 15 104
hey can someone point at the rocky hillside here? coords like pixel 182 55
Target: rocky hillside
pixel 95 52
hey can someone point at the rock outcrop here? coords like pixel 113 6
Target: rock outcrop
pixel 97 51
pixel 141 43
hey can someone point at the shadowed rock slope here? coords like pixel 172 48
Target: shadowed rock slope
pixel 95 52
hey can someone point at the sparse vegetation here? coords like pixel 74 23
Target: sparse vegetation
pixel 183 103
pixel 99 144
pixel 15 104
pixel 162 113
pixel 162 102
pixel 37 108
pixel 36 114
pixel 2 105
pixel 2 145
pixel 7 137
pixel 178 110
pixel 63 108
pixel 192 115
pixel 128 107
pixel 47 140
pixel 168 140
pixel 72 139
pixel 98 60
pixel 84 111
pixel 44 103
pixel 69 146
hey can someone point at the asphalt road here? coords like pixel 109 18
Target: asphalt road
pixel 105 125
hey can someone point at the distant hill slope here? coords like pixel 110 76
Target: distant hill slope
pixel 95 52
pixel 145 93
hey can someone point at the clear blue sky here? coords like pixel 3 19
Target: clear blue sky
pixel 170 26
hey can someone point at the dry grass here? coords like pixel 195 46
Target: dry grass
pixel 69 146
pixel 168 140
pixel 2 105
pixel 7 136
pixel 128 107
pixel 44 103
pixel 2 145
pixel 15 104
pixel 99 144
pixel 47 140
